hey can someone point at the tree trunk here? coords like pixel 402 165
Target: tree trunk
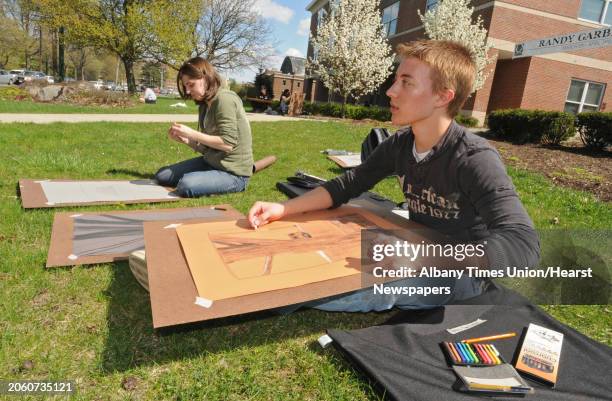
pixel 129 75
pixel 344 105
pixel 40 46
pixel 54 54
pixel 61 66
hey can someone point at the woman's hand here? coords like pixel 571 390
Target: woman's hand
pixel 180 133
pixel 264 212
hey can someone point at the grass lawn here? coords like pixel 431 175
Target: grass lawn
pixel 161 107
pixel 93 324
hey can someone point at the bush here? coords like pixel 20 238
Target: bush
pixel 13 93
pixel 352 111
pixel 466 121
pixel 595 129
pixel 536 126
pixel 357 112
pixel 78 95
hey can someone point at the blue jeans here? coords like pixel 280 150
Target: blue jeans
pixel 194 178
pixel 366 300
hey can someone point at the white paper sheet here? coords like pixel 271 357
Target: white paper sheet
pixel 58 192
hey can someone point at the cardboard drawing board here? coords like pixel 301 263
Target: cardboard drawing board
pixel 230 259
pixel 346 161
pixel 99 237
pixel 174 294
pixel 57 193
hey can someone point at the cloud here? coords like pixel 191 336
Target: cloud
pixel 273 10
pixel 304 27
pixel 294 52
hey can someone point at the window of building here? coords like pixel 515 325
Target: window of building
pixel 584 96
pixel 430 4
pixel 284 82
pixel 298 84
pixel 599 11
pixel 389 18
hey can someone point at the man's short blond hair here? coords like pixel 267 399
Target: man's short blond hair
pixel 452 67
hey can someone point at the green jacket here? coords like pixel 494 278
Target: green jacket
pixel 226 118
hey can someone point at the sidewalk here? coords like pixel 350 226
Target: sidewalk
pixel 146 118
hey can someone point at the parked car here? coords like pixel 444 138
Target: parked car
pixel 29 76
pixel 40 76
pixel 7 78
pixel 19 76
pixel 120 88
pixel 97 84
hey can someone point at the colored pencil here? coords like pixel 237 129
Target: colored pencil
pixel 453 349
pixel 482 354
pixel 464 355
pixel 471 358
pixel 484 351
pixel 493 354
pixel 474 353
pixel 489 338
pixel 497 354
pixel 454 355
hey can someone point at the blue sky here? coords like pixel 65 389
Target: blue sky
pixel 290 23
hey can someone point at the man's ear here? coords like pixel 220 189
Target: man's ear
pixel 445 96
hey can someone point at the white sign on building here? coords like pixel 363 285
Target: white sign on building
pixel 599 37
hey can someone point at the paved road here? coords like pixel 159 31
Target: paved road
pixel 149 118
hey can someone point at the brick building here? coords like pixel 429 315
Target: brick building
pixel 290 76
pixel 572 81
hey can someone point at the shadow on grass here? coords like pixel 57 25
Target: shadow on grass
pixel 132 341
pixel 116 171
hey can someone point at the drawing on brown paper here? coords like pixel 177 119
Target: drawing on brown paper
pixel 98 237
pixel 229 259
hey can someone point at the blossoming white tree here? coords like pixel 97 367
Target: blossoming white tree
pixel 452 20
pixel 353 56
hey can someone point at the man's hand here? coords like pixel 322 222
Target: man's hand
pixel 264 212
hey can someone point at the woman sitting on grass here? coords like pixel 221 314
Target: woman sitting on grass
pixel 223 137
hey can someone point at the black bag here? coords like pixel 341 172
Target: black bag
pixel 299 184
pixel 374 138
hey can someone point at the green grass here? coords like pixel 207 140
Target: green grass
pixel 93 324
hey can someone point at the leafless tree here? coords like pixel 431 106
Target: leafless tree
pixel 231 35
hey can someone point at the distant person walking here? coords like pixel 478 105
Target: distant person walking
pixel 284 101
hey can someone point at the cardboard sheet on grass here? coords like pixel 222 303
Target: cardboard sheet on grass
pixel 99 237
pixel 174 293
pixel 57 193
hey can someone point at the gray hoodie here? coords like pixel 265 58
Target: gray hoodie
pixel 460 189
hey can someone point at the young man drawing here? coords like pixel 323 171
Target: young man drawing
pixel 454 181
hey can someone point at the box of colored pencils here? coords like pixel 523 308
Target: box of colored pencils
pixel 462 353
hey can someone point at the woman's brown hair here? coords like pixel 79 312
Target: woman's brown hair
pixel 197 68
